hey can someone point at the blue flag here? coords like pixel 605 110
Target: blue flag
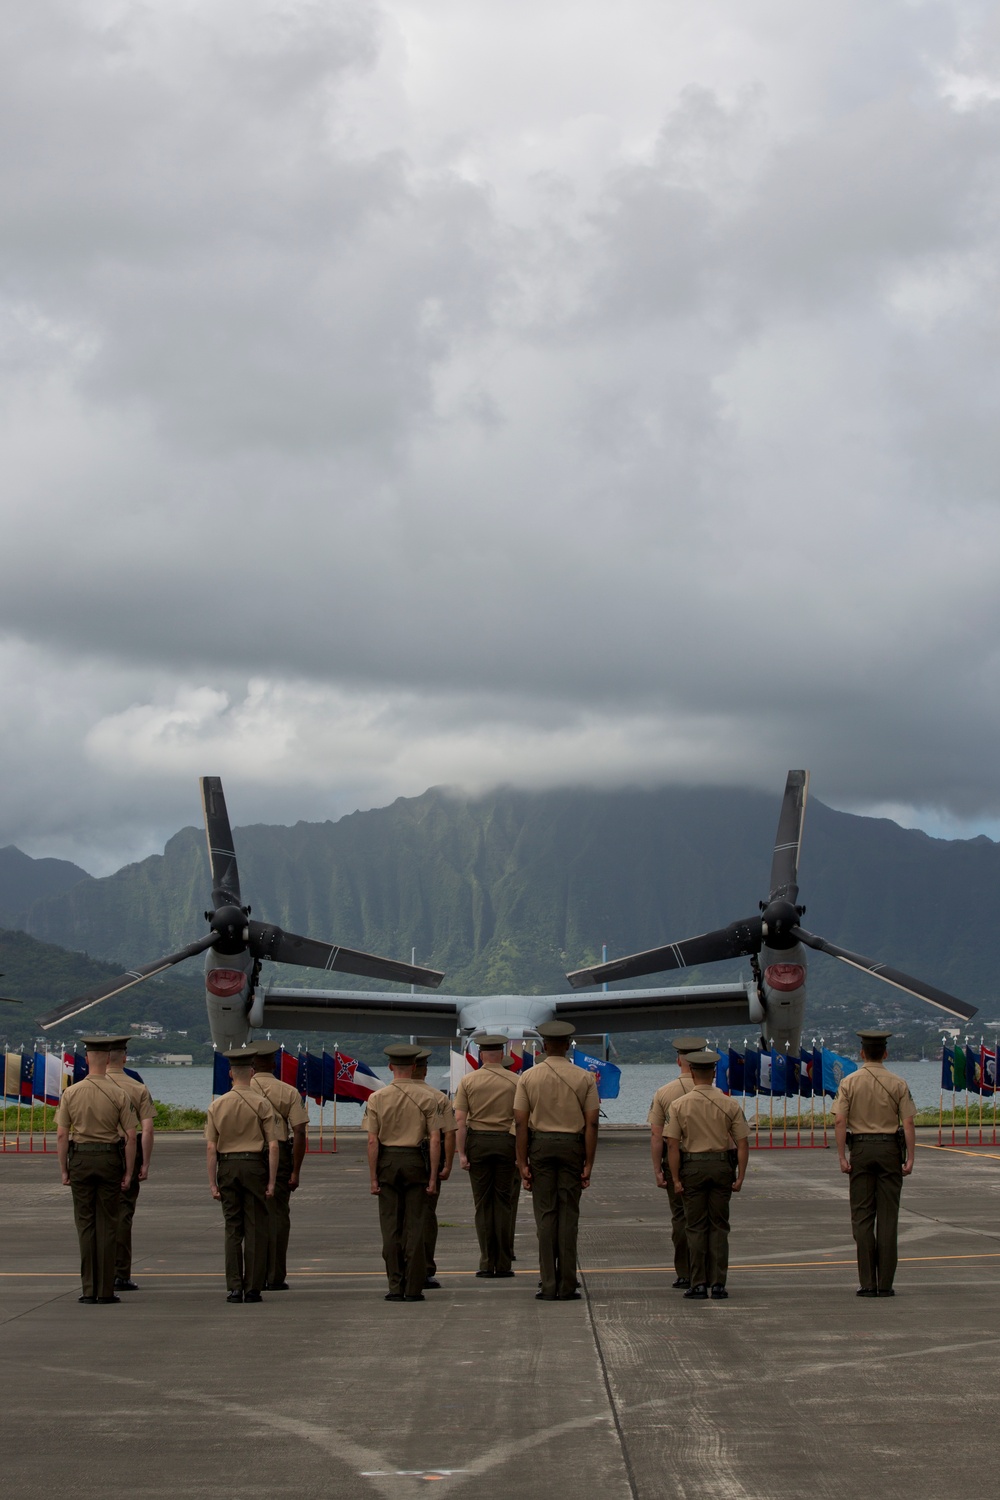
pixel 835 1067
pixel 948 1070
pixel 129 1071
pixel 80 1069
pixel 737 1072
pixel 609 1077
pixel 314 1077
pixel 302 1073
pixel 751 1071
pixel 221 1081
pixel 722 1073
pixel 973 1070
pixel 793 1074
pixel 779 1071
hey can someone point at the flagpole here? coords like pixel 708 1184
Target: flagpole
pixel 20 1075
pixel 336 1070
pixel 966 1094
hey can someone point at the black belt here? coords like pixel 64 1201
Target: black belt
pixel 704 1156
pixel 559 1135
pixel 481 1130
pixel 97 1145
pixel 868 1135
pixel 242 1155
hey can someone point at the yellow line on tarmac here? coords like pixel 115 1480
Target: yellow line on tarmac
pixel 960 1151
pixel 759 1265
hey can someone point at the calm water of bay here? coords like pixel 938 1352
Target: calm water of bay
pixel 192 1088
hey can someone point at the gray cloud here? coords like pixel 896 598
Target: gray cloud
pixel 385 404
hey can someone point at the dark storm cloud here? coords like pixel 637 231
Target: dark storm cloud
pixel 370 422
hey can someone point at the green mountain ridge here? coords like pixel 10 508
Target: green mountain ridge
pixel 507 891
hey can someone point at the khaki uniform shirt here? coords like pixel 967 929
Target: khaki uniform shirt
pixel 705 1119
pixel 142 1099
pixel 241 1120
pixel 557 1095
pixel 403 1113
pixel 874 1101
pixel 487 1096
pixel 664 1097
pixel 286 1101
pixel 96 1110
pixel 445 1109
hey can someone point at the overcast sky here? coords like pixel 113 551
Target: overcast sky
pixel 445 391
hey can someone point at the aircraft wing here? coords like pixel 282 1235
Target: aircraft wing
pixel 696 1007
pixel 679 1008
pixel 361 1010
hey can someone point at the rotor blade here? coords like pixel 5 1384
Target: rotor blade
pixel 788 841
pixel 902 981
pixel 734 941
pixel 310 953
pixel 6 1000
pixel 221 855
pixel 124 982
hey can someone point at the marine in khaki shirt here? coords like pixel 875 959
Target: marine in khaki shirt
pixel 556 1095
pixel 291 1121
pixel 446 1126
pixel 484 1108
pixel 401 1114
pixel 404 1174
pixel 486 1099
pixel 701 1130
pixel 873 1106
pixel 95 1141
pixel 142 1103
pixel 705 1119
pixel 241 1120
pixel 658 1110
pixel 242 1154
pixel 556 1112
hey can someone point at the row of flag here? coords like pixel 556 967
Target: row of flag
pixel 42 1077
pixel 330 1076
pixel 324 1078
pixel 784 1074
pixel 972 1069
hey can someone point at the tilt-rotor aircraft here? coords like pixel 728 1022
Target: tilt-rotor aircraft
pixel 773 999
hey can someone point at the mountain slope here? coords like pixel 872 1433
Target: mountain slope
pixel 507 891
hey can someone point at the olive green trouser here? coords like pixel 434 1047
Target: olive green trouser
pixel 876 1184
pixel 678 1227
pixel 243 1185
pixel 708 1187
pixel 126 1213
pixel 279 1218
pixel 95 1179
pixel 403 1175
pixel 556 1159
pixel 492 1171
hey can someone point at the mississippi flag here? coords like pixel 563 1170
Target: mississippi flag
pixel 354 1079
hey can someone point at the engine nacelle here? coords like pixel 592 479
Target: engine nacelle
pixel 784 979
pixel 227 997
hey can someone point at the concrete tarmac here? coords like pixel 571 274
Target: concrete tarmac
pixel 792 1388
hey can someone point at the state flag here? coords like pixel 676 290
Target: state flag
pixel 609 1077
pixel 835 1067
pixel 354 1081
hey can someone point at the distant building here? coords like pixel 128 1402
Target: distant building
pixel 178 1059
